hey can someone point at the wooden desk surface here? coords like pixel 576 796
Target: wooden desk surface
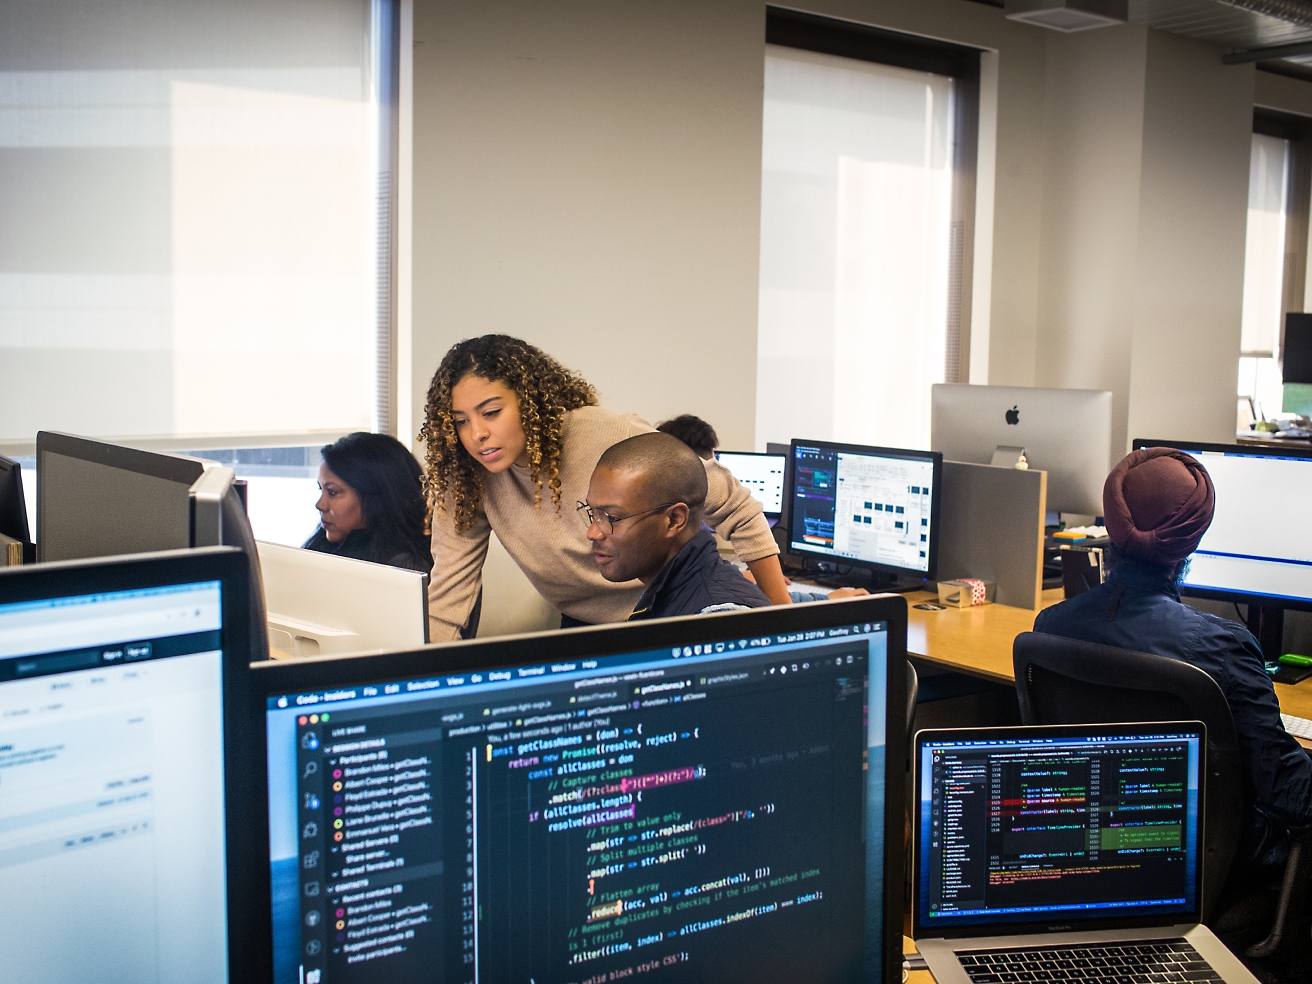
pixel 916 976
pixel 978 641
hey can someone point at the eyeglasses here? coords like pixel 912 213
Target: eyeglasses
pixel 607 523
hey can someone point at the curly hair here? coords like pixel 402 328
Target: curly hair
pixel 546 391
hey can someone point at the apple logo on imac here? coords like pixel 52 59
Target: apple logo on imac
pixel 1013 415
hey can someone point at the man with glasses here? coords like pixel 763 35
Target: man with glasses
pixel 644 516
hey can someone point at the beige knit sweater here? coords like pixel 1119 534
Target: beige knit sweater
pixel 551 546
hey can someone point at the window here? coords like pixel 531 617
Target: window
pixel 867 193
pixel 1275 254
pixel 195 219
pixel 1264 263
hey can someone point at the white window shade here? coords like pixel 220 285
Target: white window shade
pixel 856 203
pixel 189 216
pixel 1264 251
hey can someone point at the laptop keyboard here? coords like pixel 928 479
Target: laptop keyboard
pixel 1141 962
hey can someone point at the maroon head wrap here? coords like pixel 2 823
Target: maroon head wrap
pixel 1157 504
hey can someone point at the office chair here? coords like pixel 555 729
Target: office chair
pixel 1067 681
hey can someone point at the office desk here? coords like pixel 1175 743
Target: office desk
pixel 977 641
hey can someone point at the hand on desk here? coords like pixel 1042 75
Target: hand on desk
pixel 836 593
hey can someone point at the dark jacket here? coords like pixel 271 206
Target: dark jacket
pixel 360 545
pixel 697 579
pixel 1139 608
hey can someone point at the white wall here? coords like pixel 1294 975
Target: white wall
pixel 1093 146
pixel 1145 194
pixel 1189 286
pixel 587 176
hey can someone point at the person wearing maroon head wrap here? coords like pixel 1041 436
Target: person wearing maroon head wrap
pixel 1157 504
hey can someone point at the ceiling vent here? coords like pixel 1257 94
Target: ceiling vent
pixel 1069 15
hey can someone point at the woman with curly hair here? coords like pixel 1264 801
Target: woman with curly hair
pixel 512 439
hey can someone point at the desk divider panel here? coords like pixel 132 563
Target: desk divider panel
pixel 991 527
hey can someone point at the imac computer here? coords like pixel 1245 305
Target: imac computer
pixel 876 509
pixel 13 515
pixel 125 826
pixel 322 604
pixel 761 474
pixel 1067 433
pixel 713 798
pixel 1257 551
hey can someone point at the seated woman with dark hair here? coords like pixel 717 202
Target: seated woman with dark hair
pixel 371 505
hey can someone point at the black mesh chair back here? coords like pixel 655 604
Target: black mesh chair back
pixel 1066 681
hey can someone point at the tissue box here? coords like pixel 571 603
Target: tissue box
pixel 966 592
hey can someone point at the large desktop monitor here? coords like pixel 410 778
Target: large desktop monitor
pixel 1065 432
pixel 97 499
pixel 124 789
pixel 322 604
pixel 1258 550
pixel 761 474
pixel 871 508
pixel 13 510
pixel 701 799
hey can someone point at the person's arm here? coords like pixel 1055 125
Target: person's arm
pixel 770 579
pixel 457 574
pixel 1277 765
pixel 735 515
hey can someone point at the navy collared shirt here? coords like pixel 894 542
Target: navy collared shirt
pixel 696 580
pixel 1139 608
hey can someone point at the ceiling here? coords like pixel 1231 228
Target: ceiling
pixel 1239 25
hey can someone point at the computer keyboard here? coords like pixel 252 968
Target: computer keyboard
pixel 1140 962
pixel 1297 726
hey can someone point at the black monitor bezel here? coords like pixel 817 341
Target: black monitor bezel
pixel 250 946
pixel 972 930
pixel 1252 451
pixel 12 497
pixel 935 505
pixel 156 464
pixel 783 491
pixel 283 677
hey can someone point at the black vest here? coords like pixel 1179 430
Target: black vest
pixel 696 579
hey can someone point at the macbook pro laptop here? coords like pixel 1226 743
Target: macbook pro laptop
pixel 1058 853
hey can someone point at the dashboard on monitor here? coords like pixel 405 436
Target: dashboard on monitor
pixel 874 507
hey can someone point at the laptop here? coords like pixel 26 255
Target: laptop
pixel 1043 851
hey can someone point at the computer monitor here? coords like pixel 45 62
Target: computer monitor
pixel 1296 349
pixel 709 798
pixel 1020 828
pixel 124 765
pixel 1065 432
pixel 872 508
pixel 1256 551
pixel 761 474
pixel 13 510
pixel 97 499
pixel 322 604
